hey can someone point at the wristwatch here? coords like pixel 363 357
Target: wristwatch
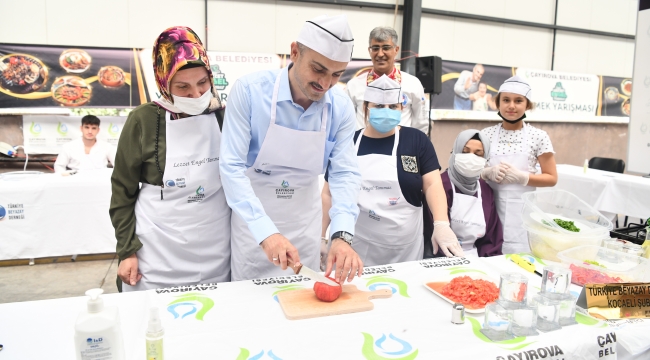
pixel 345 236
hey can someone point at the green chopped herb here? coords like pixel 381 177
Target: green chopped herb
pixel 567 225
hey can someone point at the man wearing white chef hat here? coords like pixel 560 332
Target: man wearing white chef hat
pixel 281 130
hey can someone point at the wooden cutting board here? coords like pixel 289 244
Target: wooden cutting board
pixel 303 304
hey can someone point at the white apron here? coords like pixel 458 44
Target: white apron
pixel 389 228
pixel 467 219
pixel 284 178
pixel 508 197
pixel 186 236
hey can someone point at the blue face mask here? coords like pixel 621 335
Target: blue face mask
pixel 384 119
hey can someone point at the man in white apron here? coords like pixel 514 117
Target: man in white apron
pixel 510 172
pixel 175 229
pixel 281 130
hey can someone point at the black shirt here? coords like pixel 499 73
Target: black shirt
pixel 415 152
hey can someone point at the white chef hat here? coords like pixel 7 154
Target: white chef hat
pixel 383 91
pixel 330 36
pixel 517 85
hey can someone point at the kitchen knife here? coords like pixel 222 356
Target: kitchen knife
pixel 301 269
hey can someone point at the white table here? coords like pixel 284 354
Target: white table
pixel 53 215
pixel 608 192
pixel 240 320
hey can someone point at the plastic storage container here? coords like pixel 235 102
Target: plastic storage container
pixel 612 266
pixel 545 237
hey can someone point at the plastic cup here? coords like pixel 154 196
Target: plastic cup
pixel 555 281
pixel 496 323
pixel 513 290
pixel 523 321
pixel 613 244
pixel 634 249
pixel 548 313
pixel 567 310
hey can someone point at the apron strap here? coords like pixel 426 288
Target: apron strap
pixel 274 99
pixel 274 103
pixel 396 141
pixel 356 146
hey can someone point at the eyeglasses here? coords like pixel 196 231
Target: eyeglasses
pixel 384 48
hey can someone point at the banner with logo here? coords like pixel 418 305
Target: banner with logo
pixel 227 67
pixel 51 76
pixel 558 96
pixel 245 320
pixel 454 101
pixel 46 134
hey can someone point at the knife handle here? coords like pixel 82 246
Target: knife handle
pixel 295 267
pixel 525 264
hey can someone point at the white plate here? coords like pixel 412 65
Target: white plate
pixel 448 278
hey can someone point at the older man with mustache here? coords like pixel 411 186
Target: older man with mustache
pixel 383 49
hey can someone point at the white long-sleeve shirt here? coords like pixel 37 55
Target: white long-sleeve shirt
pixel 244 129
pixel 459 87
pixel 73 156
pixel 416 110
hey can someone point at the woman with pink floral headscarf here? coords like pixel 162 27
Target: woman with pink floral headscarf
pixel 174 229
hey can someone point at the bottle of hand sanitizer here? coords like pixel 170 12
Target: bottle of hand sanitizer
pixel 98 335
pixel 154 336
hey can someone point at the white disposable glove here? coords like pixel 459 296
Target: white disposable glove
pixel 444 237
pixel 324 250
pixel 495 173
pixel 515 176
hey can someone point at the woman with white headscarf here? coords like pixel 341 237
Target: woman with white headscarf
pixel 399 169
pixel 472 212
pixel 516 150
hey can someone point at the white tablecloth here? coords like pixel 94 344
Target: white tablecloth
pixel 52 215
pixel 608 192
pixel 243 320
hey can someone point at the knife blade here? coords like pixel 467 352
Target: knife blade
pixel 301 269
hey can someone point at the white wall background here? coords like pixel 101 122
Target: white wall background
pixel 270 26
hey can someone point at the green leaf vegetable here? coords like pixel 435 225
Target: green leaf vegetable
pixel 594 262
pixel 566 225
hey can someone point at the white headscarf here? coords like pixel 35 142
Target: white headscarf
pixel 466 185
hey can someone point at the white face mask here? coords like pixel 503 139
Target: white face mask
pixel 469 165
pixel 193 106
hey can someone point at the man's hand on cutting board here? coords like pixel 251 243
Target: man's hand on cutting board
pixel 348 263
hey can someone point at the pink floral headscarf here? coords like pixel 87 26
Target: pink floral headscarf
pixel 173 49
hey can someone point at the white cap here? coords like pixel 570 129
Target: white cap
pixel 383 91
pixel 517 85
pixel 95 303
pixel 330 36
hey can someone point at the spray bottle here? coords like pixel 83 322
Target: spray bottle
pixel 154 336
pixel 97 331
